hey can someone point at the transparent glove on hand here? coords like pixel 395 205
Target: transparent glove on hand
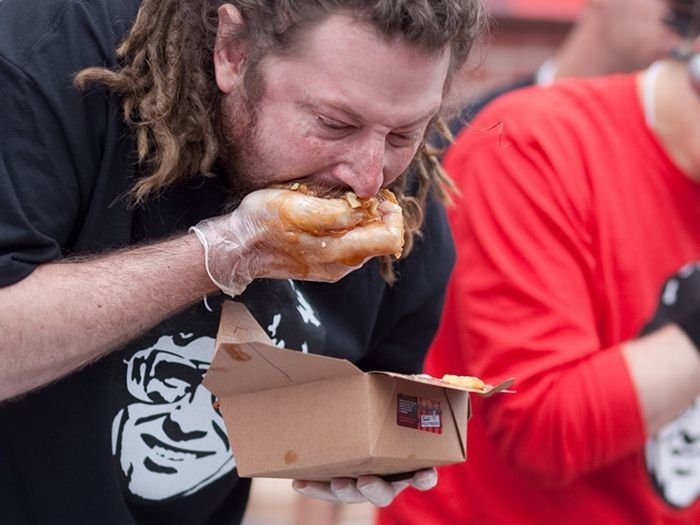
pixel 365 488
pixel 284 234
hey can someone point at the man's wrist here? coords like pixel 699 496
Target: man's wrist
pixel 226 267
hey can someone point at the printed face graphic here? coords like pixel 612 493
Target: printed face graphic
pixel 673 458
pixel 673 454
pixel 167 438
pixel 170 440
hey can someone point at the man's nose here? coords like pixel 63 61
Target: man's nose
pixel 363 169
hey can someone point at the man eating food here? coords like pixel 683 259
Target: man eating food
pixel 134 196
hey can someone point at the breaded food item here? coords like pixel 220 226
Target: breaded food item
pixel 359 213
pixel 464 381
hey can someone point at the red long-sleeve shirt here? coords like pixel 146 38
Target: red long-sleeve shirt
pixel 572 217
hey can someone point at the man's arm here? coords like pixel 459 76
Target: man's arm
pixel 665 369
pixel 531 303
pixel 66 315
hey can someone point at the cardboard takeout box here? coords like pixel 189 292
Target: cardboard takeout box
pixel 302 416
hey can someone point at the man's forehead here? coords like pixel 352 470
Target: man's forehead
pixel 344 31
pixel 346 66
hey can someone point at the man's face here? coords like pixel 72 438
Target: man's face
pixel 349 110
pixel 637 36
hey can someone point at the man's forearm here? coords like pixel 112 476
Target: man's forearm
pixel 665 368
pixel 65 315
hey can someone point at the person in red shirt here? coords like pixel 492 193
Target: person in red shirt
pixel 578 273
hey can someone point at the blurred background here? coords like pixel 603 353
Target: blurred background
pixel 524 34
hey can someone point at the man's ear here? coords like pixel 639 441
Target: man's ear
pixel 229 53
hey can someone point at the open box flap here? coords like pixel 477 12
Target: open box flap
pixel 237 325
pixel 246 360
pixel 487 391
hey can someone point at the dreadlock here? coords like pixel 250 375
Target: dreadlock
pixel 169 96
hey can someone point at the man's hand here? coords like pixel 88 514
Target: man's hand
pixel 365 488
pixel 284 234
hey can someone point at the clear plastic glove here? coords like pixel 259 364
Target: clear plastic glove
pixel 279 233
pixel 365 488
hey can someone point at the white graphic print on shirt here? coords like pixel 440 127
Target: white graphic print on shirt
pixel 673 454
pixel 170 441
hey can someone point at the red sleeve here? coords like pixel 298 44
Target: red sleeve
pixel 523 295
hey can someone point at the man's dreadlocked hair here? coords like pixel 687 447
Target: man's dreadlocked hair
pixel 171 100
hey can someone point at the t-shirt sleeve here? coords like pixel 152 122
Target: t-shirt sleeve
pixel 38 203
pixel 410 310
pixel 53 135
pixel 524 293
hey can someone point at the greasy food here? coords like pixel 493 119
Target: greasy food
pixel 464 381
pixel 370 210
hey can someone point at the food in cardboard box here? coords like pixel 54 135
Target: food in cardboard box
pixel 471 382
pixel 467 383
pixel 304 416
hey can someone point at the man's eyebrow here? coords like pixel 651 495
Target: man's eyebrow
pixel 354 117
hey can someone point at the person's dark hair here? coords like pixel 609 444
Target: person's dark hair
pixel 170 97
pixel 684 17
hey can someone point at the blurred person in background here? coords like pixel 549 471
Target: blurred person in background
pixel 609 36
pixel 578 273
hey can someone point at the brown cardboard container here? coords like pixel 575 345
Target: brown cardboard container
pixel 302 416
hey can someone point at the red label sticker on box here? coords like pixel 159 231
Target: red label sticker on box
pixel 421 414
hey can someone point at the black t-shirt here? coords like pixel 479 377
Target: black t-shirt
pixel 134 438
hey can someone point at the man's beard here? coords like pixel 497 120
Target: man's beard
pixel 238 153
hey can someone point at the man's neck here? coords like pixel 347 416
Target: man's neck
pixel 677 115
pixel 584 53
